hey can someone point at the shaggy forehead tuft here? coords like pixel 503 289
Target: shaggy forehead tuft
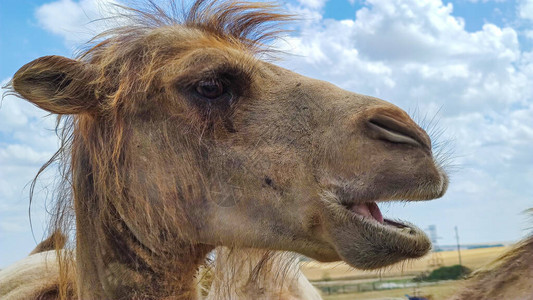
pixel 251 24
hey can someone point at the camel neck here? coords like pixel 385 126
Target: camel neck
pixel 113 264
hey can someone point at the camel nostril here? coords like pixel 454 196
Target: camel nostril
pixel 396 131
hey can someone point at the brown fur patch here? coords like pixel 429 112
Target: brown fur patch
pixel 509 276
pixel 55 241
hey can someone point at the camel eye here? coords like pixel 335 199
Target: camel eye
pixel 210 89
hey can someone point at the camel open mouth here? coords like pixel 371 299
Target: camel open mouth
pixel 371 212
pixel 365 239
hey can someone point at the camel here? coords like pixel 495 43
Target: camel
pixel 510 276
pixel 177 138
pixel 37 276
pixel 233 275
pixel 261 275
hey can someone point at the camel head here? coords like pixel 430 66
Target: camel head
pixel 181 135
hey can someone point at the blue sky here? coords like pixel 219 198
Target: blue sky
pixel 469 63
pixel 22 38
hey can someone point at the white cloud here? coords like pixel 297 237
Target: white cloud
pixel 528 34
pixel 416 45
pixel 313 4
pixel 525 9
pixel 27 141
pixel 485 1
pixel 23 123
pixel 74 20
pixel 14 224
pixel 20 153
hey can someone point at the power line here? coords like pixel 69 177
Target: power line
pixel 458 246
pixel 436 259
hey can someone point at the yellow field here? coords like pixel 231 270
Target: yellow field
pixel 472 259
pixel 440 291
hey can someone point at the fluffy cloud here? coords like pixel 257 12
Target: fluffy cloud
pixel 75 21
pixel 313 4
pixel 414 50
pixel 525 9
pixel 27 141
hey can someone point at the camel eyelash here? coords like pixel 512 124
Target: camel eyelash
pixel 233 80
pixel 230 73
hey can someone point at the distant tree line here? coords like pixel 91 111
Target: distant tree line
pixel 444 273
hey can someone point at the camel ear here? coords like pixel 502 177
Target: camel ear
pixel 58 85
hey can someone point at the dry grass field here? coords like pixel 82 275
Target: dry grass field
pixel 441 291
pixel 473 259
pixel 343 274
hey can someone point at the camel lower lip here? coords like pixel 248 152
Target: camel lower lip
pixel 366 240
